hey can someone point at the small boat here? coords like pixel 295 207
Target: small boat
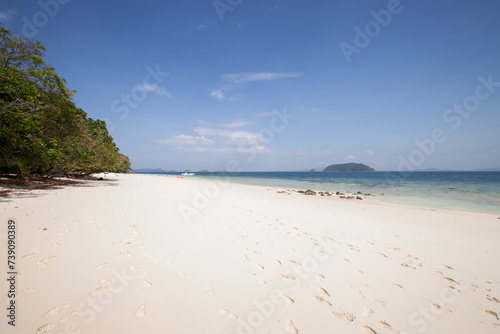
pixel 187 174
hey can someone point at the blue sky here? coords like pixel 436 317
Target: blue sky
pixel 280 85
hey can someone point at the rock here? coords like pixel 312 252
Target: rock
pixel 342 196
pixel 309 192
pixel 339 193
pixel 368 194
pixel 359 193
pixel 350 197
pixel 358 197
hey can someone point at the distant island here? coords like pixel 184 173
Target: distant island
pixel 349 167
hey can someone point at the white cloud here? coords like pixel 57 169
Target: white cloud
pixel 350 158
pixel 237 80
pixel 243 78
pixel 237 124
pixel 369 152
pixel 219 94
pixel 237 136
pixel 145 87
pixel 182 140
pixel 6 16
pixel 219 138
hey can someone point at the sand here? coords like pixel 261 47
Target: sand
pixel 157 254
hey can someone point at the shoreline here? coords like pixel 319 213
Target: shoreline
pixel 421 201
pixel 144 253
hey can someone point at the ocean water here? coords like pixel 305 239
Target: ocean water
pixel 470 191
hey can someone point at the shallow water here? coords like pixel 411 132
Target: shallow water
pixel 471 191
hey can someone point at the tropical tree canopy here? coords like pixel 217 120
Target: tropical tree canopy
pixel 41 130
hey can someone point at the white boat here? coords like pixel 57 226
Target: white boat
pixel 187 174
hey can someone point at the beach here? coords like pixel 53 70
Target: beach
pixel 158 254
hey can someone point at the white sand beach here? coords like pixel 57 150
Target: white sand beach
pixel 157 254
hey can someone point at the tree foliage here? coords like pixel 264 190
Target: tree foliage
pixel 41 130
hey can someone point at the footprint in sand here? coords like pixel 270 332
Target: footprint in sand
pixel 492 299
pixel 141 311
pixel 104 266
pixel 185 275
pixel 28 290
pixel 125 252
pixel 398 285
pixel 263 281
pixel 209 290
pixel 385 324
pixel 45 328
pixel 287 299
pixel 290 327
pixel 35 252
pixel 132 267
pixel 43 263
pixel 288 276
pixel 492 313
pixel 349 317
pixel 368 329
pixel 55 311
pixel 355 290
pixel 320 299
pixel 319 277
pixel 323 290
pixel 367 312
pixel 228 314
pixel 147 283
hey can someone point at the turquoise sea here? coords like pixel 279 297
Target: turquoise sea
pixel 471 191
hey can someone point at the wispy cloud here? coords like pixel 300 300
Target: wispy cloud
pixel 238 80
pixel 6 16
pixel 183 140
pixel 235 124
pixel 369 152
pixel 243 78
pixel 219 138
pixel 145 87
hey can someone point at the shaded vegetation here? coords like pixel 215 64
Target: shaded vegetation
pixel 42 132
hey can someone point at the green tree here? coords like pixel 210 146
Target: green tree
pixel 41 129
